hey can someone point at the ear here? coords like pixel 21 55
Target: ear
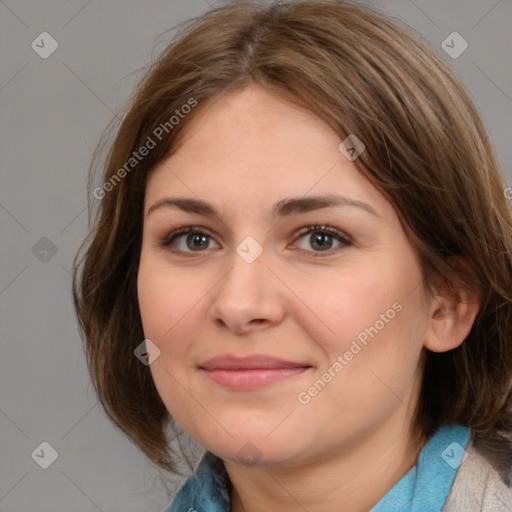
pixel 453 310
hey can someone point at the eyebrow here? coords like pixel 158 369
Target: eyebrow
pixel 283 208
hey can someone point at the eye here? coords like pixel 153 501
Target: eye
pixel 197 239
pixel 322 237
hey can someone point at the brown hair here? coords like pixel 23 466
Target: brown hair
pixel 426 150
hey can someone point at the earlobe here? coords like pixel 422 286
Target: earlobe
pixel 452 315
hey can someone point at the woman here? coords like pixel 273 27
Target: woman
pixel 303 259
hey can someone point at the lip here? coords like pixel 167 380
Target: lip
pixel 256 361
pixel 250 372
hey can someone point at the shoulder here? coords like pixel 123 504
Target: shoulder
pixel 478 486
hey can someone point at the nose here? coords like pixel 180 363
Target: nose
pixel 249 297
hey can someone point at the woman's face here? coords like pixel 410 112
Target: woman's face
pixel 277 346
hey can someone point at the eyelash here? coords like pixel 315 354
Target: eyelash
pixel 325 229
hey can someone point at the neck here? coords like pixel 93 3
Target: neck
pixel 352 479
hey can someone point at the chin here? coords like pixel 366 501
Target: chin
pixel 254 447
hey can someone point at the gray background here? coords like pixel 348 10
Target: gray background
pixel 53 112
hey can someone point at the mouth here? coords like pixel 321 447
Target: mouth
pixel 246 373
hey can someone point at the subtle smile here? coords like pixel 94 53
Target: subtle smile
pixel 252 372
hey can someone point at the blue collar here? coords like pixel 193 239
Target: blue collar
pixel 207 490
pixel 424 487
pixel 427 485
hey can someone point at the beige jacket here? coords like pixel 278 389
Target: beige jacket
pixel 478 487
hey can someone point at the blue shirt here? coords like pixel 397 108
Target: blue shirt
pixel 423 489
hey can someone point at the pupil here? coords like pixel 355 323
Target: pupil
pixel 197 239
pixel 320 238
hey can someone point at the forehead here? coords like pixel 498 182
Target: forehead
pixel 255 148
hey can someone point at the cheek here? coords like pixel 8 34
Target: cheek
pixel 370 315
pixel 173 306
pixel 167 306
pixel 343 304
pixel 371 357
pixel 165 298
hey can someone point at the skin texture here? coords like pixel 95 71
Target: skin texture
pixel 297 301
